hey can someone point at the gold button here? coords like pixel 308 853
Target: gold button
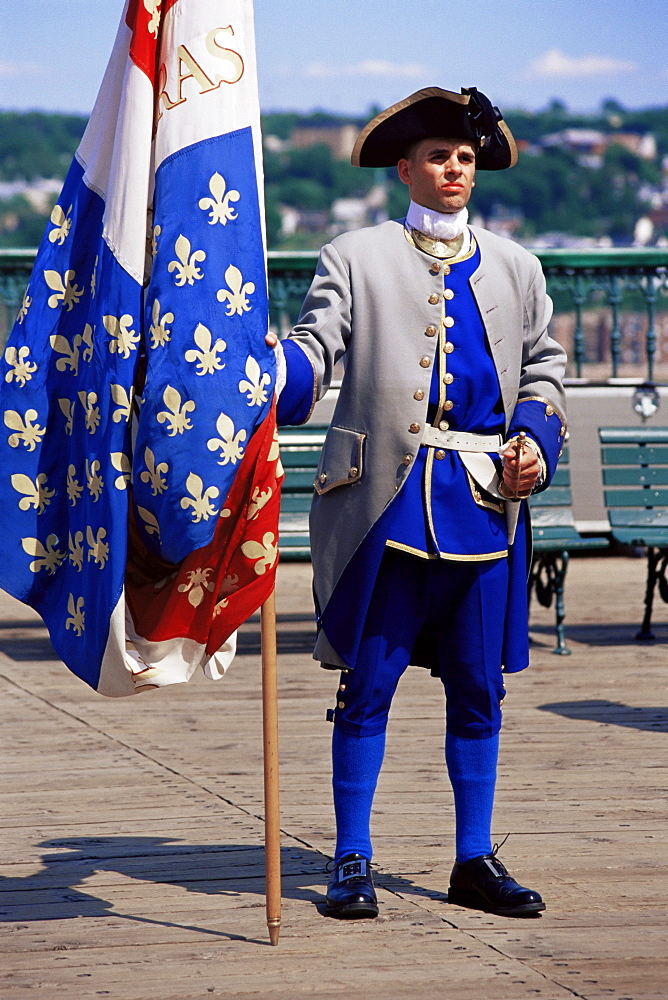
pixel 449 378
pixel 354 472
pixel 396 489
pixel 322 477
pixel 434 298
pixel 342 687
pixel 425 362
pixel 342 704
pixel 418 394
pixel 431 331
pixel 414 428
pixel 407 459
pixel 448 404
pixel 549 410
pixel 448 294
pixel 439 454
pixel 446 269
pixel 444 425
pixel 435 268
pixel 448 347
pixel 449 321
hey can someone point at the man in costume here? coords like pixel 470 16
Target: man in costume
pixel 450 408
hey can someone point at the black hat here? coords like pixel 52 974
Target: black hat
pixel 434 112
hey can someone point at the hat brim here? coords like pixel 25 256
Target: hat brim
pixel 425 114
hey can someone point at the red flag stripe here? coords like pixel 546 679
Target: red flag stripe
pixel 144 22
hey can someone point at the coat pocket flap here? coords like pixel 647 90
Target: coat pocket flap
pixel 341 459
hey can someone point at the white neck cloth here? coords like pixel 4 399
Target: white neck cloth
pixel 439 225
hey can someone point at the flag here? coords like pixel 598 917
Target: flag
pixel 140 476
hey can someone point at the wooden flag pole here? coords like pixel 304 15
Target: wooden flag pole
pixel 272 821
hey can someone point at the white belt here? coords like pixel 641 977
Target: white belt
pixel 461 440
pixel 479 466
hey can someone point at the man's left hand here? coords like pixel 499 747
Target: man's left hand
pixel 521 469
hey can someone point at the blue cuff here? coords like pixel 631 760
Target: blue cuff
pixel 298 395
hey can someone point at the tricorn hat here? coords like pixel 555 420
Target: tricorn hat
pixel 435 112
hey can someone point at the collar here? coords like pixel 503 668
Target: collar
pixel 438 225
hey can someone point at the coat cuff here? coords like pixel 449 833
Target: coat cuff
pixel 298 396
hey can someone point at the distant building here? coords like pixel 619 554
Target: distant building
pixel 590 145
pixel 339 138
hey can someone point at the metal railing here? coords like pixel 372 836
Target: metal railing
pixel 611 306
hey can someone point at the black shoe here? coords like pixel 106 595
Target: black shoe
pixel 350 893
pixel 484 884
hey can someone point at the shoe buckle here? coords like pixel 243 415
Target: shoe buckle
pixel 495 867
pixel 353 869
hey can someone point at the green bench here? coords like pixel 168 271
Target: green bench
pixel 635 479
pixel 554 538
pixel 300 453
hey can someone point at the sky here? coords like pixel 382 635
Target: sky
pixel 348 56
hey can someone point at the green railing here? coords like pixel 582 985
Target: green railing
pixel 611 306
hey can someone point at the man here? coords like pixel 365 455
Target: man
pixel 418 555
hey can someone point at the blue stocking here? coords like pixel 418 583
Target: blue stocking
pixel 356 763
pixel 472 771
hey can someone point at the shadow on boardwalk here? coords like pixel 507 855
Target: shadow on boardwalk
pixel 612 712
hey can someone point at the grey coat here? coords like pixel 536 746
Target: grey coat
pixel 369 304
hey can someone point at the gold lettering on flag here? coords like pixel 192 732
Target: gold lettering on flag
pixel 189 68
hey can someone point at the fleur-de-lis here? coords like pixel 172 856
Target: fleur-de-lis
pixel 77 615
pixel 264 553
pixel 275 454
pixel 236 292
pixel 123 339
pixel 151 525
pixel 154 240
pixel 186 265
pixel 219 204
pixel 229 442
pixel 35 494
pixel 94 480
pixel 76 555
pixel 153 7
pixel 48 558
pixel 158 330
pixel 93 278
pixel 87 339
pixel 207 358
pixel 123 400
pixel 74 487
pixel 255 383
pixel 122 464
pixel 259 499
pixel 198 581
pixel 98 549
pixel 64 289
pixel 88 401
pixel 69 351
pixel 67 408
pixel 199 499
pixel 154 473
pixel 25 431
pixel 175 415
pixel 25 306
pixel 22 367
pixel 63 223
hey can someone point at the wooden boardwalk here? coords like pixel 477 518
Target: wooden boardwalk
pixel 131 862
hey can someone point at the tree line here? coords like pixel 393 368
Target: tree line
pixel 551 189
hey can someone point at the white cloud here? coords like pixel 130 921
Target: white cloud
pixel 554 63
pixel 368 67
pixel 8 69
